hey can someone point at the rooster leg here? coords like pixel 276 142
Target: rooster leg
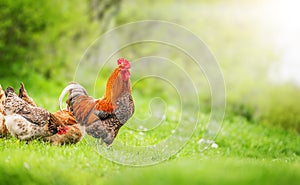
pixel 98 130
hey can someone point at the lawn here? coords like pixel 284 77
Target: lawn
pixel 247 153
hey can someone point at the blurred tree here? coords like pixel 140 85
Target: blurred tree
pixel 20 22
pixel 47 37
pixel 103 11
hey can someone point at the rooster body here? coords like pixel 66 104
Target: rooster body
pixel 103 117
pixel 25 121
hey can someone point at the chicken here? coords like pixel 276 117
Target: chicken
pixel 74 131
pixel 71 133
pixel 25 121
pixel 3 129
pixel 103 117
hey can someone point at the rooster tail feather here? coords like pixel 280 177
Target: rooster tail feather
pixel 74 89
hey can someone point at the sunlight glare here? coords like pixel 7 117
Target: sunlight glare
pixel 283 18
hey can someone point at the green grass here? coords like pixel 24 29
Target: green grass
pixel 212 171
pixel 247 153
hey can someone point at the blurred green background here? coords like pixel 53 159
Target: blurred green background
pixel 255 43
pixel 41 44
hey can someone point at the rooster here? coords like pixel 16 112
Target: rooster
pixel 103 117
pixel 3 129
pixel 24 120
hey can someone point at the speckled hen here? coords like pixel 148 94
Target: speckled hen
pixel 24 120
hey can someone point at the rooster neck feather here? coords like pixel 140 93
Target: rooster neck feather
pixel 110 84
pixel 117 84
pixel 105 103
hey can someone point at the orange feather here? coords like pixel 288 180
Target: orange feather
pixel 105 103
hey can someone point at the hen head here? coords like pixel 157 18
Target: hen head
pixel 62 130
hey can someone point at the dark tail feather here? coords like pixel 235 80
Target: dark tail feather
pixel 24 95
pixel 74 89
pixel 22 90
pixel 9 90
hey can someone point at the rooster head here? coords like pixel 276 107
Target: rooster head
pixel 124 67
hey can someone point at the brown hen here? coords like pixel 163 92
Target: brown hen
pixel 69 132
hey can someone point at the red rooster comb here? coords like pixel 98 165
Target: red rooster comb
pixel 123 63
